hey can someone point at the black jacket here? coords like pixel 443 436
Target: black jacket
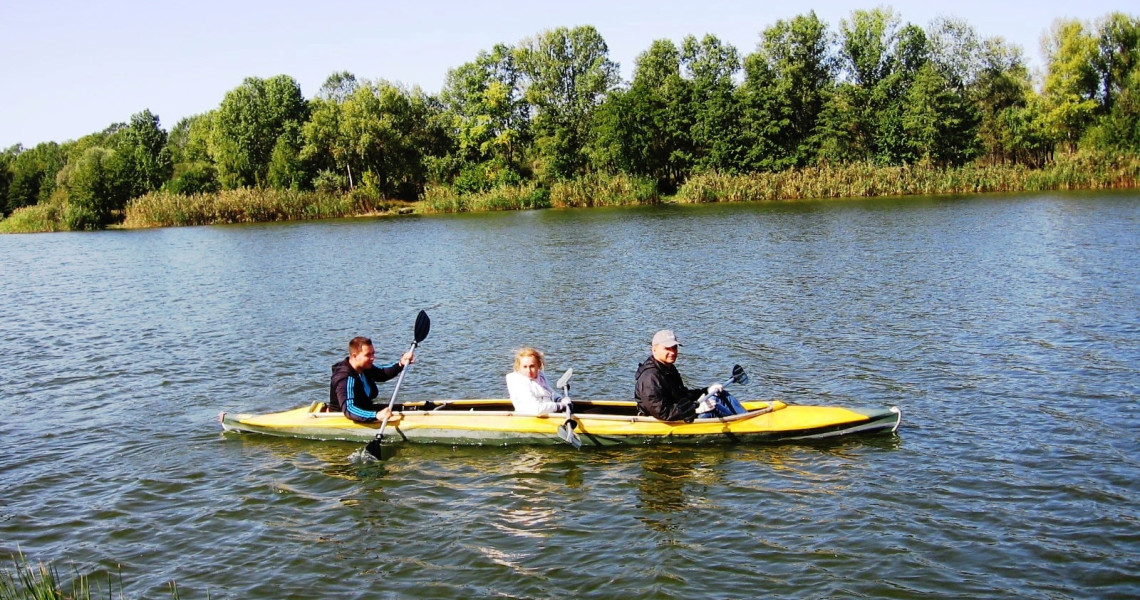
pixel 353 392
pixel 661 393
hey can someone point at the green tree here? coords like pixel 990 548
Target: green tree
pixel 1001 91
pixel 880 61
pixel 380 133
pixel 33 174
pixel 709 65
pixel 1120 129
pixel 327 145
pixel 786 83
pixel 486 102
pixel 568 75
pixel 1026 136
pixel 845 130
pixel 247 125
pixel 646 129
pixel 97 183
pixel 143 145
pixel 1117 56
pixel 1118 68
pixel 7 158
pixel 893 143
pixel 1071 82
pixel 338 86
pixel 955 52
pixel 192 170
pixel 286 167
pixel 939 122
pixel 867 45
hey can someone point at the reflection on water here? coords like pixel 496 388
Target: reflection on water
pixel 1004 327
pixel 664 477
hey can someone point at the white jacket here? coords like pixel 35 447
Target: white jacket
pixel 531 396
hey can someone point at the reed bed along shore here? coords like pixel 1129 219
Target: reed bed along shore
pixel 41 218
pixel 248 205
pixel 163 209
pixel 859 180
pixel 865 180
pixel 595 189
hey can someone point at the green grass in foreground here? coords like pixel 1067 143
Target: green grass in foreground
pixel 41 582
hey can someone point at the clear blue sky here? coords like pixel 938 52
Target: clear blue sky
pixel 70 67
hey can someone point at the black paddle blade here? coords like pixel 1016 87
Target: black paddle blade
pixel 379 450
pixel 376 449
pixel 738 375
pixel 423 326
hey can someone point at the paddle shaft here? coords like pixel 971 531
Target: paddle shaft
pixel 392 401
pixel 566 430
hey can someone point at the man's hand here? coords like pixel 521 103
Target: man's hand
pixel 408 358
pixel 386 413
pixel 706 404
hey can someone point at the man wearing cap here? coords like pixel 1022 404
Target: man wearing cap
pixel 661 393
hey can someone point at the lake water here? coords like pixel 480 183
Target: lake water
pixel 1006 328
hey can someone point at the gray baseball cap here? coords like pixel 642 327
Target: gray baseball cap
pixel 666 338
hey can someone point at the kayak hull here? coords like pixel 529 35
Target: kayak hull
pixel 598 423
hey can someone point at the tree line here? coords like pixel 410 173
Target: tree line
pixel 554 108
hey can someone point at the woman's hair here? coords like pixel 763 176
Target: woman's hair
pixel 529 352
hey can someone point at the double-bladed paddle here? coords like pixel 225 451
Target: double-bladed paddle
pixel 738 376
pixel 376 446
pixel 566 429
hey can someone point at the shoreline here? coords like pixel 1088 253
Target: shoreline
pixel 1080 171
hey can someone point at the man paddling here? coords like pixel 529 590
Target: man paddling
pixel 661 392
pixel 353 387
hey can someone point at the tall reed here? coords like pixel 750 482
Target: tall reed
pixel 1077 171
pixel 446 199
pixel 246 205
pixel 34 219
pixel 42 582
pixel 604 189
pixel 595 189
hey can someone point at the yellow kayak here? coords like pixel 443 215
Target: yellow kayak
pixel 596 422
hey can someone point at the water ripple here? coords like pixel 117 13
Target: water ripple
pixel 1006 328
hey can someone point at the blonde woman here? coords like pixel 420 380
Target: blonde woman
pixel 529 391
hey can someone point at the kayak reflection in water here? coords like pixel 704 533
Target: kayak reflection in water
pixel 661 392
pixel 527 386
pixel 353 386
